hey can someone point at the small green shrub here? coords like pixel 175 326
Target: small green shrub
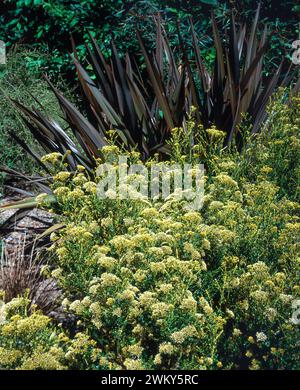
pixel 275 152
pixel 22 83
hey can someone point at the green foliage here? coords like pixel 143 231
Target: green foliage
pixel 47 25
pixel 277 147
pixel 21 81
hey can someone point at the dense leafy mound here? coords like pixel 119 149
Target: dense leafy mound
pixel 154 285
pixel 47 25
pixel 24 84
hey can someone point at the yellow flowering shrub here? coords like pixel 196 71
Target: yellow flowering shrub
pixel 139 292
pixel 275 152
pixel 152 285
pixel 27 341
pixel 30 341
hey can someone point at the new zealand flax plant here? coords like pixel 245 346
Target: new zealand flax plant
pixel 144 98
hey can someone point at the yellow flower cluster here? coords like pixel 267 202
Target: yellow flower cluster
pixel 52 158
pixel 29 341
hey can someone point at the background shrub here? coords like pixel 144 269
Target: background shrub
pixel 21 80
pixel 47 25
